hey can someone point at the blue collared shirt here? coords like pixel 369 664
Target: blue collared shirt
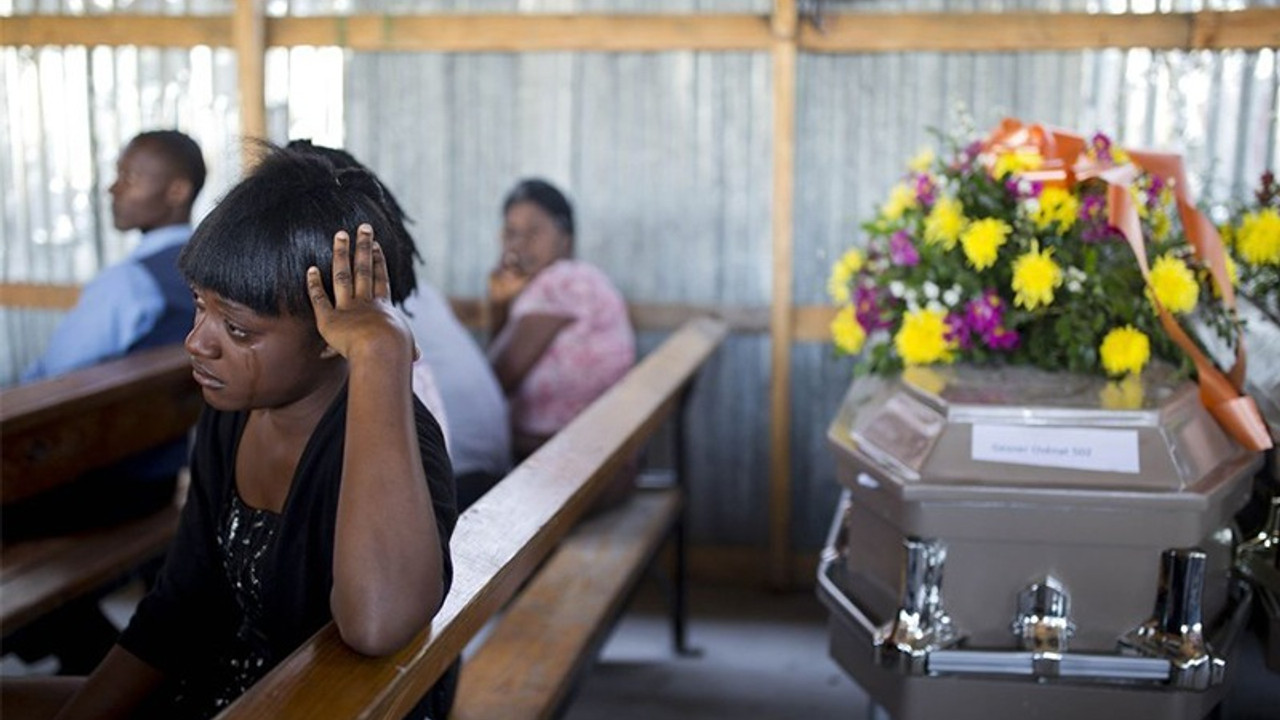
pixel 115 310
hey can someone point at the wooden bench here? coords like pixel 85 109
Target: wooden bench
pixel 52 432
pixel 552 630
pixel 498 545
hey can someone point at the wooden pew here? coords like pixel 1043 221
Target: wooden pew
pixel 53 431
pixel 500 542
pixel 548 636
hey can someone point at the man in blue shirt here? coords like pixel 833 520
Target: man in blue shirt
pixel 142 301
pixel 138 303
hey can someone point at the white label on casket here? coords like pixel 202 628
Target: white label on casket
pixel 1073 448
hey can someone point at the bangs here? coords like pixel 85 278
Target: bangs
pixel 254 248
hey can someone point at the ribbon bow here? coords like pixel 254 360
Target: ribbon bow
pixel 1065 162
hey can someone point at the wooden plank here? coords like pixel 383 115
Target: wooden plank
pixel 1250 29
pixel 31 295
pixel 506 32
pixel 565 614
pixel 249 31
pixel 812 323
pixel 469 310
pixel 54 430
pixel 646 316
pixel 116 29
pixel 784 142
pixel 1254 29
pixel 37 576
pixel 497 545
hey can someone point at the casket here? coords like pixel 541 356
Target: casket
pixel 1259 557
pixel 1018 543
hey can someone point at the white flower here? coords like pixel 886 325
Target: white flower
pixel 897 289
pixel 951 297
pixel 935 306
pixel 931 290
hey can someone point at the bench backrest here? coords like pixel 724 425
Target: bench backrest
pixel 498 544
pixel 54 430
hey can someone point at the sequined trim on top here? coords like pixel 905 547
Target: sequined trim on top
pixel 244 541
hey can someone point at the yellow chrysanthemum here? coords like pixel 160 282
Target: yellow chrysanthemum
pixel 1139 197
pixel 901 199
pixel 842 273
pixel 1124 350
pixel 922 161
pixel 847 332
pixel 1057 205
pixel 1161 224
pixel 1124 394
pixel 944 223
pixel 982 240
pixel 1017 161
pixel 1258 239
pixel 1174 285
pixel 1035 277
pixel 922 339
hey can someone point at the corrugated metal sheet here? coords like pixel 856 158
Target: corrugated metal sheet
pixel 667 156
pixel 667 159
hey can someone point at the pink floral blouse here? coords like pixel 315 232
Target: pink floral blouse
pixel 586 357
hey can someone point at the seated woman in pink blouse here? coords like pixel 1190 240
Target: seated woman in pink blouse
pixel 561 335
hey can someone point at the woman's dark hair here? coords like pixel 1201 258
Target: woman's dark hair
pixel 545 196
pixel 404 285
pixel 254 248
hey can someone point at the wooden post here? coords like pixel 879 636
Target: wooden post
pixel 248 31
pixel 780 320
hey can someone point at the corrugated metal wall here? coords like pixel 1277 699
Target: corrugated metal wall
pixel 668 157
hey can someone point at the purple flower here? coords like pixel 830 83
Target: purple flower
pixel 968 156
pixel 926 190
pixel 1013 186
pixel 1092 207
pixel 1093 221
pixel 866 306
pixel 1001 338
pixel 1101 146
pixel 958 331
pixel 1153 192
pixel 986 313
pixel 902 251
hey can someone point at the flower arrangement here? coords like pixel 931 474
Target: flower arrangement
pixel 990 254
pixel 1253 236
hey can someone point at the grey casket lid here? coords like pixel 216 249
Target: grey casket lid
pixel 918 429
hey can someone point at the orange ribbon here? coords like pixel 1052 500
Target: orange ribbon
pixel 1064 154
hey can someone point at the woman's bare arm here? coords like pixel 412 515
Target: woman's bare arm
pixel 388 562
pixel 520 349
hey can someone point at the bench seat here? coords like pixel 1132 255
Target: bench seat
pixel 39 575
pixel 552 631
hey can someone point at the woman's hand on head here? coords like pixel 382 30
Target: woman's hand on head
pixel 360 318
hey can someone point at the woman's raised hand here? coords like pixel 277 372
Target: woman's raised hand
pixel 361 316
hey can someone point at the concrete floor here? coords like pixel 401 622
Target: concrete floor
pixel 763 656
